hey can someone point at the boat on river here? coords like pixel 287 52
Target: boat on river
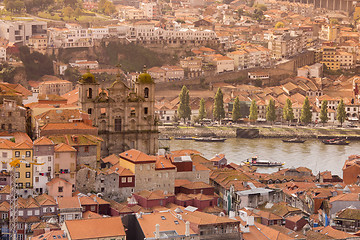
pixel 255 162
pixel 336 141
pixel 293 140
pixel 184 138
pixel 209 139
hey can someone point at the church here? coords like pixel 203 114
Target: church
pixel 124 116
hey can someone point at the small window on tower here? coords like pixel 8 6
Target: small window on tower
pixel 89 93
pixel 146 110
pixel 146 92
pixel 89 111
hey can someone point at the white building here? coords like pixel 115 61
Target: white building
pixel 85 64
pixel 21 31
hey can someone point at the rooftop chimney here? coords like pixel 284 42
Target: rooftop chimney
pixel 157 231
pixel 187 229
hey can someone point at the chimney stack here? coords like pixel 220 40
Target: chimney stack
pixel 157 231
pixel 187 229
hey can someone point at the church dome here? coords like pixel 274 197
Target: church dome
pixel 88 78
pixel 145 78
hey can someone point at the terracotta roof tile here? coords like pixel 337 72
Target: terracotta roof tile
pixel 137 156
pixel 95 228
pixel 68 202
pixel 43 141
pixel 62 147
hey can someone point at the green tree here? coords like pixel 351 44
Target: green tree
pixel 202 110
pixel 306 112
pixel 184 110
pixel 270 111
pixel 219 111
pixel 324 112
pixel 340 112
pixel 253 111
pixel 109 8
pixel 244 110
pixel 77 12
pixel 236 114
pixel 68 12
pixel 288 113
pixel 36 64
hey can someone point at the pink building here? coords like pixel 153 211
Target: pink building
pixel 65 163
pixel 59 188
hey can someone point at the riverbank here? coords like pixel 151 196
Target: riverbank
pixel 263 132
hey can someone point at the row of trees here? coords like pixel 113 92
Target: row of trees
pixel 306 114
pixel 241 110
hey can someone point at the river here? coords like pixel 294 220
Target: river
pixel 312 154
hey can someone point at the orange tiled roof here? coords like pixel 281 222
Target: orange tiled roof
pixel 62 147
pixel 95 228
pixel 137 156
pixel 43 141
pixel 68 202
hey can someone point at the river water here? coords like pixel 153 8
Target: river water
pixel 312 154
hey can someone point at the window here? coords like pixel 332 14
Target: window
pixel 29 213
pixel 118 125
pixel 17 153
pixel 123 180
pixel 17 175
pixel 36 179
pixel 89 93
pixel 129 179
pixel 10 126
pixel 4 154
pixel 27 165
pixel 49 169
pixel 3 126
pixel 146 110
pixel 9 114
pixel 60 189
pixel 146 92
pixel 27 174
pixel 4 216
pixel 4 166
pixel 92 208
pixel 56 155
pixel 27 185
pixel 49 158
pixel 132 112
pixel 89 111
pixel 86 149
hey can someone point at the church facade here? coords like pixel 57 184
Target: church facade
pixel 124 116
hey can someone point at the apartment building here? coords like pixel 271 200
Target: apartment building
pixel 21 31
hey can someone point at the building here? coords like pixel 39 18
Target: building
pixel 43 153
pixel 69 208
pixel 24 151
pixel 65 162
pixel 2 54
pixel 85 64
pixel 351 170
pixel 55 86
pixel 22 31
pixel 159 225
pixel 95 229
pixel 223 64
pixel 13 116
pixel 38 43
pixel 125 117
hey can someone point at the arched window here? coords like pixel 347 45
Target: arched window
pixel 146 92
pixel 89 93
pixel 89 110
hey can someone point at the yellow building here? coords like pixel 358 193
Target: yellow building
pixel 24 173
pixel 357 12
pixel 329 58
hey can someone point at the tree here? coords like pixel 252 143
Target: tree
pixel 253 111
pixel 36 64
pixel 77 12
pixel 184 110
pixel 288 112
pixel 279 25
pixel 324 112
pixel 109 8
pixel 270 111
pixel 236 114
pixel 219 111
pixel 244 110
pixel 202 110
pixel 68 12
pixel 306 112
pixel 340 112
